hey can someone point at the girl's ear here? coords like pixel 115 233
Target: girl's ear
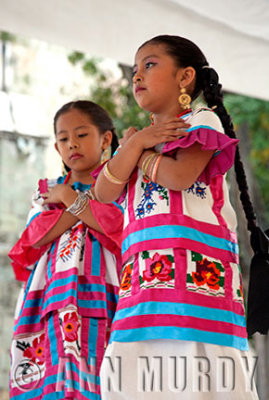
pixel 56 147
pixel 106 139
pixel 186 77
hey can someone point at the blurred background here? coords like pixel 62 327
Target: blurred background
pixel 54 52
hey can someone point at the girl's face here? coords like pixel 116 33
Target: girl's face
pixel 79 141
pixel 156 80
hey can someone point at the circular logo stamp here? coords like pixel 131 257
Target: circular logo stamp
pixel 27 375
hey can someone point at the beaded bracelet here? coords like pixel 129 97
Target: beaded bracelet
pixel 79 204
pixel 111 178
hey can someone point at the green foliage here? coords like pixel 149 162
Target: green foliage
pixel 7 37
pixel 254 113
pixel 115 97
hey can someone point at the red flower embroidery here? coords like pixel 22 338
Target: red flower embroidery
pixel 70 326
pixel 158 267
pixel 126 277
pixel 206 274
pixel 36 351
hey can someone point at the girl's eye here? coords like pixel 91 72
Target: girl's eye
pixel 150 64
pixel 134 72
pixel 63 139
pixel 83 134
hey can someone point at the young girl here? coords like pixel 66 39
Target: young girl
pixel 179 328
pixel 68 257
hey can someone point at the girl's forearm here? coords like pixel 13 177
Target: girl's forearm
pixel 121 167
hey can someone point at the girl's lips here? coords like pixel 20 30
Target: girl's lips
pixel 139 89
pixel 75 156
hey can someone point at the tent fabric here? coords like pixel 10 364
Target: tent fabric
pixel 234 35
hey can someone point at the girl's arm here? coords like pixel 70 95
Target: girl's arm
pixel 124 162
pixel 180 173
pixel 65 194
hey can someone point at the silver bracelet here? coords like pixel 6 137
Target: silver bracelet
pixel 90 194
pixel 79 204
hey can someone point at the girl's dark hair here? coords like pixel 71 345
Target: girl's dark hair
pixel 98 116
pixel 186 54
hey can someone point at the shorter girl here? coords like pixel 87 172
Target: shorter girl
pixel 67 257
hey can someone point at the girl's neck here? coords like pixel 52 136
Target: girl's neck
pixel 84 177
pixel 168 116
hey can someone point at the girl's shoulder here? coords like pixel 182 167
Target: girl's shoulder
pixel 203 117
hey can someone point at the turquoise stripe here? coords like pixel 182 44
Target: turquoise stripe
pixel 112 297
pixel 92 340
pixel 96 257
pixel 32 319
pixel 176 231
pixel 55 395
pixel 49 263
pixel 33 303
pixel 169 332
pixel 81 303
pixel 157 307
pixel 53 341
pixel 33 217
pixel 194 128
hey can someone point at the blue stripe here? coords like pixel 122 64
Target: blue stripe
pixel 73 293
pixel 50 260
pixel 96 257
pixel 92 339
pixel 53 341
pixel 32 218
pixel 170 332
pixel 194 128
pixel 55 395
pixel 112 297
pixel 177 231
pixel 183 309
pixel 32 319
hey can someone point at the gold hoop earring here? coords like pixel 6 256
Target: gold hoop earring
pixel 184 99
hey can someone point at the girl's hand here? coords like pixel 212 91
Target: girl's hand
pixel 127 134
pixel 57 194
pixel 160 133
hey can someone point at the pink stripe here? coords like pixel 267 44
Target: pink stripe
pixel 177 243
pixel 181 220
pixel 88 256
pixel 175 199
pixel 180 321
pixel 228 284
pixel 179 296
pixel 180 268
pixel 216 187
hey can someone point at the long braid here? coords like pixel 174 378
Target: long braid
pixel 214 97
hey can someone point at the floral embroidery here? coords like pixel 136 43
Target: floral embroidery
pixel 126 277
pixel 158 267
pixel 147 203
pixel 205 276
pixel 70 326
pixel 68 247
pixel 157 270
pixel 36 351
pixel 198 189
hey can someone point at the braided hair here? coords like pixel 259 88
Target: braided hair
pixel 185 54
pixel 97 115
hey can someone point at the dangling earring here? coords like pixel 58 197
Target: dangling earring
pixel 104 156
pixel 184 99
pixel 151 118
pixel 64 170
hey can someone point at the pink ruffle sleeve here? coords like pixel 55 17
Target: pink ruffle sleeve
pixel 110 219
pixel 23 254
pixel 210 139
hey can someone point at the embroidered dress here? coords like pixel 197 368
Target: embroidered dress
pixel 65 310
pixel 181 278
pixel 181 287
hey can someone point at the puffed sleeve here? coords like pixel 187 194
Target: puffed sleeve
pixel 207 130
pixel 39 222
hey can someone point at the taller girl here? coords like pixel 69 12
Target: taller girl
pixel 181 288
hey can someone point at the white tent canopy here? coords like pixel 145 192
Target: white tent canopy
pixel 233 34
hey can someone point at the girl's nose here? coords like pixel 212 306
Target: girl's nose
pixel 73 144
pixel 137 78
